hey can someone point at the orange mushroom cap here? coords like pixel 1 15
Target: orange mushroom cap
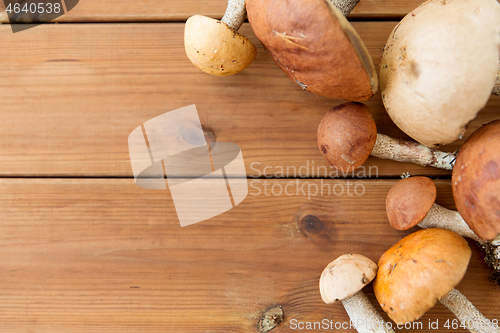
pixel 419 270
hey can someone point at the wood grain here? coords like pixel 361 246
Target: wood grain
pixel 103 255
pixel 72 93
pixel 154 11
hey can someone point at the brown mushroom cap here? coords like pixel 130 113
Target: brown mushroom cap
pixel 346 135
pixel 476 181
pixel 316 47
pixel 418 270
pixel 345 276
pixel 409 201
pixel 215 48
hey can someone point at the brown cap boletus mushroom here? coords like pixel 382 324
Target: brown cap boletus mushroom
pixel 347 136
pixel 343 280
pixel 421 269
pixel 476 182
pixel 312 41
pixel 439 68
pixel 411 202
pixel 215 46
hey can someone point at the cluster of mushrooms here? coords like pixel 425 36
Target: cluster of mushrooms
pixel 425 266
pixel 439 67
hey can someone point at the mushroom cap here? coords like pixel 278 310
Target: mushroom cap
pixel 346 135
pixel 215 48
pixel 439 67
pixel 476 181
pixel 345 276
pixel 419 270
pixel 316 47
pixel 409 201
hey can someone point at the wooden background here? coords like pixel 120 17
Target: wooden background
pixel 83 249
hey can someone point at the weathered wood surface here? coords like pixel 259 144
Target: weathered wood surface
pixel 154 11
pixel 103 255
pixel 72 93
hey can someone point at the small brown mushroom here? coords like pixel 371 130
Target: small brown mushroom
pixel 347 136
pixel 411 202
pixel 215 46
pixel 342 280
pixel 439 67
pixel 421 269
pixel 476 182
pixel 315 45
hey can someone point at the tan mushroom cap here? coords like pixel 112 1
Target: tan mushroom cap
pixel 439 67
pixel 418 270
pixel 409 201
pixel 215 48
pixel 346 135
pixel 316 47
pixel 345 276
pixel 476 181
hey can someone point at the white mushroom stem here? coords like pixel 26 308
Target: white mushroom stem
pixel 496 88
pixel 440 217
pixel 467 313
pixel 345 6
pixel 408 151
pixel 364 316
pixel 235 14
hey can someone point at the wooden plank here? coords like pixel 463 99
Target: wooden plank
pixel 71 95
pixel 103 255
pixel 153 11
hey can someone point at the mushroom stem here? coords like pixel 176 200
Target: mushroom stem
pixel 440 217
pixel 364 316
pixel 492 258
pixel 235 14
pixel 345 6
pixel 467 313
pixel 496 88
pixel 407 151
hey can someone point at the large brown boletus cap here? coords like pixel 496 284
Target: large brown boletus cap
pixel 409 201
pixel 215 48
pixel 346 135
pixel 476 181
pixel 419 270
pixel 316 47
